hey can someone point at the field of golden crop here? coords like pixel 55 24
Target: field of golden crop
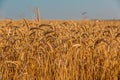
pixel 59 50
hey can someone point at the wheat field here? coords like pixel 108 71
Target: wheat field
pixel 59 50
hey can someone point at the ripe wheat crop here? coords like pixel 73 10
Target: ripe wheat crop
pixel 59 50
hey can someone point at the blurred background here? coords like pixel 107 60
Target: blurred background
pixel 60 9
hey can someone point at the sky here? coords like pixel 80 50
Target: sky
pixel 60 9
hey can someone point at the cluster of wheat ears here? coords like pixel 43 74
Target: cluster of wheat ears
pixel 59 50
